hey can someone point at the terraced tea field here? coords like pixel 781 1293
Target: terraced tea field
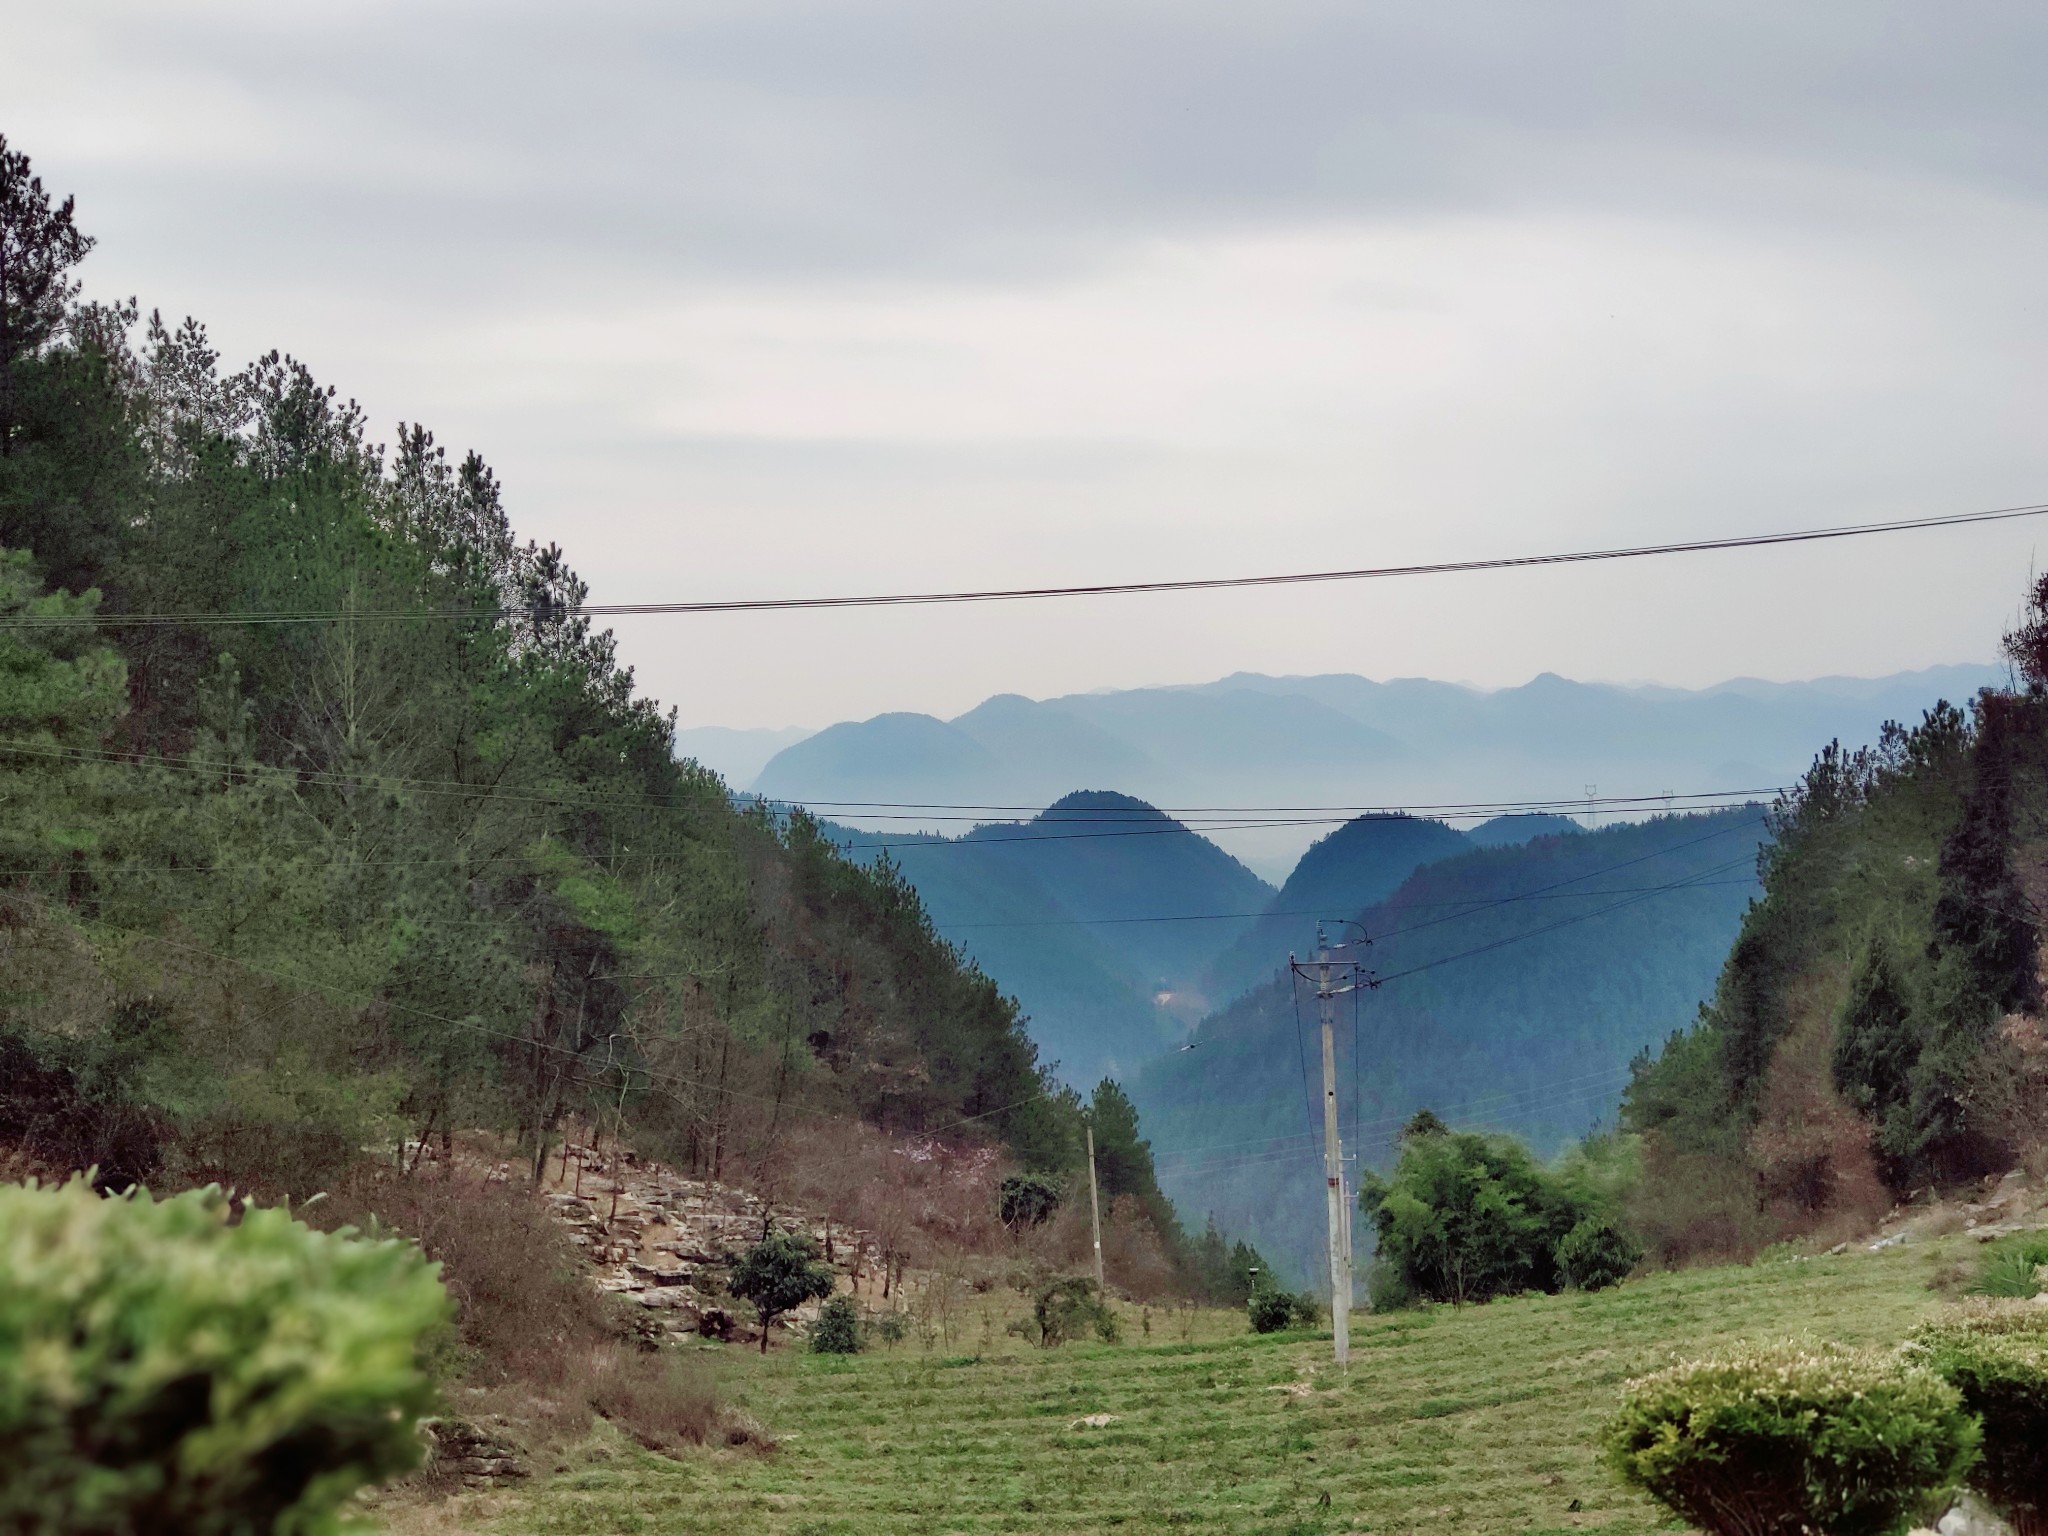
pixel 1475 1420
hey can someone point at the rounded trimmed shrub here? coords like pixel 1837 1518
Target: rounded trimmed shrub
pixel 166 1368
pixel 1596 1254
pixel 1794 1437
pixel 1270 1311
pixel 837 1331
pixel 1996 1356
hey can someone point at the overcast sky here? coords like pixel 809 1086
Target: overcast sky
pixel 761 298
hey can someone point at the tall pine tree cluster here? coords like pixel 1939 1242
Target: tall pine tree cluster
pixel 329 822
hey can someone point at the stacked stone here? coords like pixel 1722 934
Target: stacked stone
pixel 476 1455
pixel 669 1244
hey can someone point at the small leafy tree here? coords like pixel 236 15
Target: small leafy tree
pixel 1028 1200
pixel 1068 1308
pixel 1996 1356
pixel 162 1369
pixel 778 1274
pixel 1792 1438
pixel 838 1330
pixel 1466 1217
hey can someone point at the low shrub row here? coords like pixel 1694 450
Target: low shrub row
pixel 1800 1436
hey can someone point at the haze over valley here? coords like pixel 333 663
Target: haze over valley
pixel 1320 741
pixel 1139 948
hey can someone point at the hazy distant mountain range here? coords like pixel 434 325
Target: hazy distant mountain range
pixel 1098 915
pixel 1118 926
pixel 1334 740
pixel 1117 929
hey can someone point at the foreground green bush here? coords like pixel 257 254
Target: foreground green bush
pixel 1794 1438
pixel 1997 1358
pixel 162 1369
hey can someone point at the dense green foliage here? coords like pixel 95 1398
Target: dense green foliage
pixel 1996 1357
pixel 1468 1217
pixel 838 1328
pixel 1792 1438
pixel 164 1367
pixel 1519 982
pixel 1856 1028
pixel 779 1274
pixel 1598 1252
pixel 1027 1200
pixel 416 855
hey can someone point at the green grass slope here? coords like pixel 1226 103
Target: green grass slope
pixel 1482 1420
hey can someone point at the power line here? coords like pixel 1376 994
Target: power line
pixel 1566 922
pixel 1530 807
pixel 547 612
pixel 653 1076
pixel 1297 1146
pixel 1245 817
pixel 1505 1101
pixel 936 843
pixel 1698 881
pixel 1215 917
pixel 1557 885
pixel 1475 904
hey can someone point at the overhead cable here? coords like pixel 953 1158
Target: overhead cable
pixel 548 613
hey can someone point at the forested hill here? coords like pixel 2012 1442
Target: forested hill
pixel 1516 984
pixel 326 820
pixel 1360 863
pixel 1878 1027
pixel 1098 915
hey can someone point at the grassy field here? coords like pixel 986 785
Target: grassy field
pixel 1475 1420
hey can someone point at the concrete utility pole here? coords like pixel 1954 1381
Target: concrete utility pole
pixel 1333 1161
pixel 1094 1206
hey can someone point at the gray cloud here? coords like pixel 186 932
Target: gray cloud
pixel 939 139
pixel 769 296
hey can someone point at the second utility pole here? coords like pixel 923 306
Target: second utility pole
pixel 1094 1206
pixel 1333 1161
